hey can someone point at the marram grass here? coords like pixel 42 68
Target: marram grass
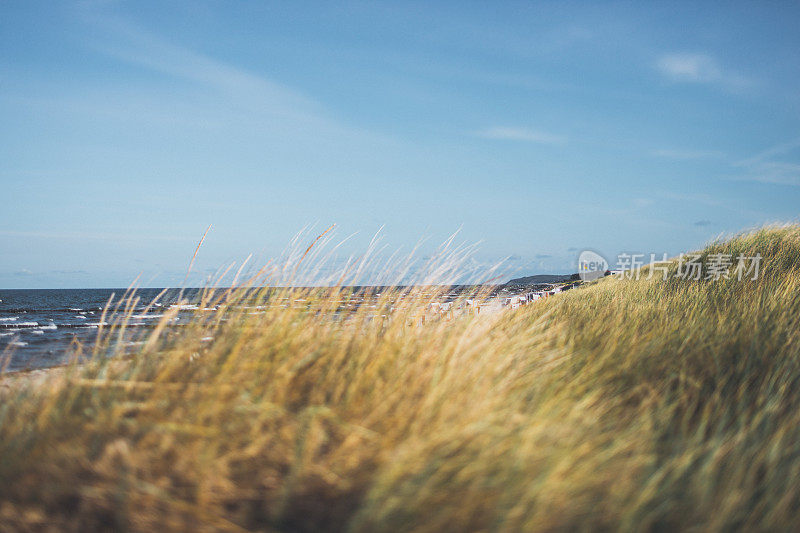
pixel 623 405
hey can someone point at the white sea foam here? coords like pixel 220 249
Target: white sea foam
pixel 146 316
pixel 37 332
pixel 9 319
pixel 50 326
pixel 18 343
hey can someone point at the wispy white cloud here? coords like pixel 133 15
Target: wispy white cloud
pixel 778 149
pixel 699 68
pixel 137 46
pixel 689 67
pixel 771 165
pixel 777 173
pixel 686 154
pixel 507 133
pixel 238 95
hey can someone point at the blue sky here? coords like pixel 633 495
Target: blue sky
pixel 536 130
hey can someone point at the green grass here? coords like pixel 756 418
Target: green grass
pixel 623 404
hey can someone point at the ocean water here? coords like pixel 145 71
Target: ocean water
pixel 38 327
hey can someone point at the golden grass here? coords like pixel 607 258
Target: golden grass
pixel 625 404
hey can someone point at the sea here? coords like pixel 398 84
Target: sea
pixel 40 327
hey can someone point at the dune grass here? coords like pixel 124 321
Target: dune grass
pixel 624 404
